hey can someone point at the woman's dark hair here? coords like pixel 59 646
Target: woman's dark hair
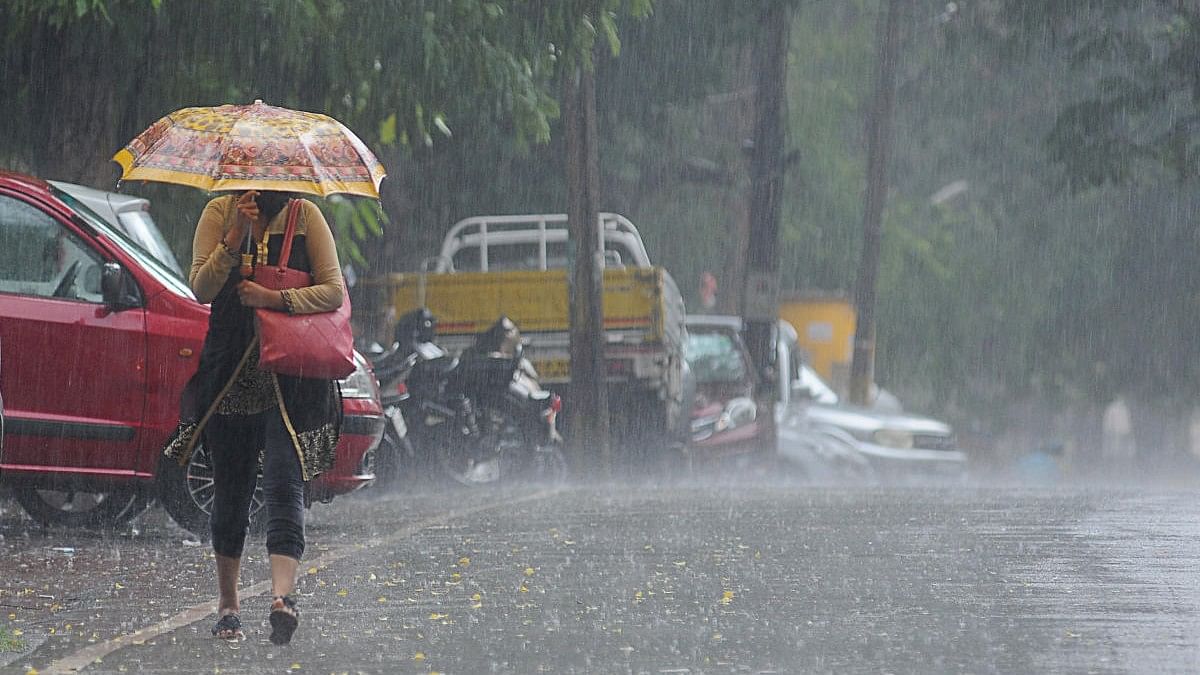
pixel 271 202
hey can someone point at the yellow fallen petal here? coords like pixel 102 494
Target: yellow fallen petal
pixel 523 589
pixel 528 571
pixel 372 577
pixel 477 597
pixel 382 599
pixel 118 586
pixel 18 632
pixel 312 570
pixel 726 597
pixel 435 616
pixel 419 656
pixel 295 666
pixel 465 562
pixel 343 593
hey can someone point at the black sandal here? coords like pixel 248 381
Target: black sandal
pixel 284 619
pixel 231 624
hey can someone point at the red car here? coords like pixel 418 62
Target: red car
pixel 98 339
pixel 725 415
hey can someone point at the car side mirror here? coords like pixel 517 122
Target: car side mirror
pixel 119 288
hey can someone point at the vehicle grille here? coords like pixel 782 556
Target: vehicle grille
pixel 934 442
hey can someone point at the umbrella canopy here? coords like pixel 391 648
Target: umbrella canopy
pixel 253 147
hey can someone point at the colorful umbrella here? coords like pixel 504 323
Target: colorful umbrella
pixel 253 147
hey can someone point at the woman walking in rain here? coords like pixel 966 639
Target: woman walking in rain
pixel 244 414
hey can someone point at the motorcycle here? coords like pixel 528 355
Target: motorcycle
pixel 484 416
pixel 413 343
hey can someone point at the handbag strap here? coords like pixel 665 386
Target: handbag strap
pixel 288 233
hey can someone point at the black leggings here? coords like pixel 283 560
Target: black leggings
pixel 233 442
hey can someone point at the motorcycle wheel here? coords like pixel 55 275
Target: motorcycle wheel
pixel 545 465
pixel 83 508
pixel 186 492
pixel 502 453
pixel 391 458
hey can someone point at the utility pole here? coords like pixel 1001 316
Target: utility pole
pixel 589 438
pixel 760 305
pixel 879 138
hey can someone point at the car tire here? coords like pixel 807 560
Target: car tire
pixel 186 493
pixel 83 508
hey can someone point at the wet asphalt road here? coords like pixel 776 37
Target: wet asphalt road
pixel 750 575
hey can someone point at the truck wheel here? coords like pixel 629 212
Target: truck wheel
pixel 186 492
pixel 82 508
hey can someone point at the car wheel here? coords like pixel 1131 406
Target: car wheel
pixel 83 508
pixel 186 492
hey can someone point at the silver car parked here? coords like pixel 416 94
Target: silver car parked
pixel 130 215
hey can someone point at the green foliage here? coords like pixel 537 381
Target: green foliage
pixel 1041 277
pixel 82 77
pixel 1141 99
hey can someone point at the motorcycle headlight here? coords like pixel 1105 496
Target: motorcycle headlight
pixel 893 438
pixel 361 383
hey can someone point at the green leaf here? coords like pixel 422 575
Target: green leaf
pixel 387 130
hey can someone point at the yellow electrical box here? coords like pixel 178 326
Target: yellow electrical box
pixel 825 323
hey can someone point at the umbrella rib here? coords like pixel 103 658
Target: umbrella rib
pixel 317 168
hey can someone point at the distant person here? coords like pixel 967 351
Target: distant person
pixel 243 413
pixel 708 291
pixel 1116 428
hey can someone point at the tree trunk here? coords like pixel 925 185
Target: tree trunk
pixel 879 132
pixel 589 439
pixel 760 295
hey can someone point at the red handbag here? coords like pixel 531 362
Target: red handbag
pixel 319 346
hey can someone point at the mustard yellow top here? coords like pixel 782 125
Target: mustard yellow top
pixel 211 263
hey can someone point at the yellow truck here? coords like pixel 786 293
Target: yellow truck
pixel 517 265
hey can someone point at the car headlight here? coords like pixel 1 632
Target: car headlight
pixel 893 438
pixel 361 383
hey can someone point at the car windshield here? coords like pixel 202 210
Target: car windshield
pixel 168 277
pixel 715 357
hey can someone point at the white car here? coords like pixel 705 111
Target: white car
pixel 893 441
